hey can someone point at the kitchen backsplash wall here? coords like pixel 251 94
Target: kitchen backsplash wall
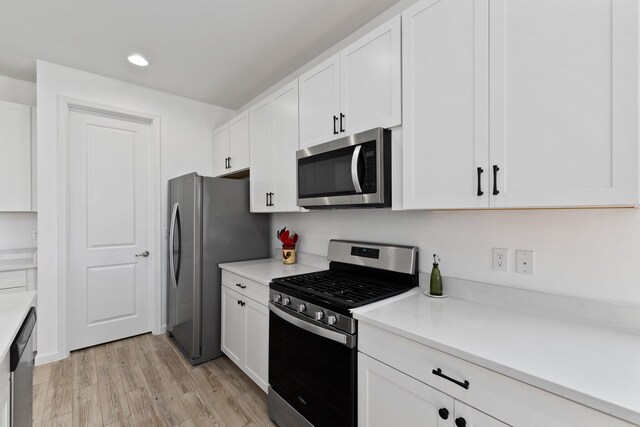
pixel 15 228
pixel 589 253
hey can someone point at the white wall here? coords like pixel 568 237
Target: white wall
pixel 15 228
pixel 186 146
pixel 590 253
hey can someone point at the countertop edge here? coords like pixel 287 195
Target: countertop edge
pixel 598 404
pixel 31 303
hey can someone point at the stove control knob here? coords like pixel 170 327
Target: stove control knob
pixel 277 298
pixel 286 301
pixel 332 319
pixel 301 308
pixel 319 315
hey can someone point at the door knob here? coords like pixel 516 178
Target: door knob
pixel 144 254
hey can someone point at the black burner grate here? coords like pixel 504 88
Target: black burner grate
pixel 350 290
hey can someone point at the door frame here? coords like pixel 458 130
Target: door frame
pixel 65 106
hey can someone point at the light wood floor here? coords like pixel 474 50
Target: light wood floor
pixel 144 381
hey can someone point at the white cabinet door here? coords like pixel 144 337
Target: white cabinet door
pixel 261 157
pixel 285 145
pixel 445 104
pixel 387 397
pixel 233 326
pixel 257 342
pixel 467 416
pixel 370 80
pixel 239 142
pixel 220 150
pixel 15 157
pixel 564 102
pixel 320 103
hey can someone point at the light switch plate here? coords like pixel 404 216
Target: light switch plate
pixel 524 261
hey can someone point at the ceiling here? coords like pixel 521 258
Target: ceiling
pixel 224 52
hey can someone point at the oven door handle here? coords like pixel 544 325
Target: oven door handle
pixel 354 169
pixel 298 320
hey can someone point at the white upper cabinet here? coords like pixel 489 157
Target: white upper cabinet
pixel 262 154
pixel 445 101
pixel 370 83
pixel 528 103
pixel 354 90
pixel 15 157
pixel 221 150
pixel 320 103
pixel 274 142
pixel 564 102
pixel 231 146
pixel 285 144
pixel 239 142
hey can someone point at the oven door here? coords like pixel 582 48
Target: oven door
pixel 349 171
pixel 313 368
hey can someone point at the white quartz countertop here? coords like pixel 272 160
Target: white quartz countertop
pixel 13 310
pixel 263 270
pixel 594 366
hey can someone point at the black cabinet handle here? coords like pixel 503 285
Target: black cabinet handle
pixel 242 303
pixel 341 126
pixel 241 286
pixel 335 125
pixel 439 373
pixel 270 199
pixel 461 422
pixel 226 166
pixel 229 162
pixel 495 180
pixel 444 413
pixel 266 203
pixel 480 192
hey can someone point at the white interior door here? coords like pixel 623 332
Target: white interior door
pixel 110 216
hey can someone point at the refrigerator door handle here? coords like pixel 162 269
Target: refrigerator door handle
pixel 172 229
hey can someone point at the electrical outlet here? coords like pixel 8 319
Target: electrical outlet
pixel 34 234
pixel 524 261
pixel 501 259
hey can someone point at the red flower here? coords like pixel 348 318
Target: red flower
pixel 288 242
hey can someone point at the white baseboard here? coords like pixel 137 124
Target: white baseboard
pixel 42 359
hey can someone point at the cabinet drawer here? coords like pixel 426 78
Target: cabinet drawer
pixel 246 287
pixel 509 400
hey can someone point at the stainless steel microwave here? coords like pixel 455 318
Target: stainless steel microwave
pixel 354 171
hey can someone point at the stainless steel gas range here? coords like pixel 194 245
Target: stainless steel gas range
pixel 313 335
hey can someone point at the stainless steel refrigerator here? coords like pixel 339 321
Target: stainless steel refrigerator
pixel 209 223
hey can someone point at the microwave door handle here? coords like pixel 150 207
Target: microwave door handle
pixel 354 169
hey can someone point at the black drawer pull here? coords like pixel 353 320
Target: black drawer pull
pixel 335 125
pixel 444 413
pixel 461 422
pixel 495 180
pixel 341 126
pixel 480 192
pixel 241 286
pixel 439 373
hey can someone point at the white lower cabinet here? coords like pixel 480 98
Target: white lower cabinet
pixel 397 380
pixel 245 331
pixel 387 397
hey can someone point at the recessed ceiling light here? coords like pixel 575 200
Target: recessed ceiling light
pixel 138 60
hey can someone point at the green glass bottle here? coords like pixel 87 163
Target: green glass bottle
pixel 436 279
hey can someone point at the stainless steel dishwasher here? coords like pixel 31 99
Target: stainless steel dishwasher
pixel 21 362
